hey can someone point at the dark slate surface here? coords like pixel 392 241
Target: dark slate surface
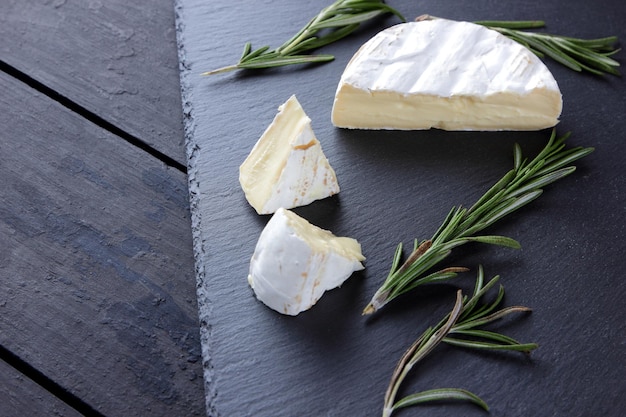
pixel 396 186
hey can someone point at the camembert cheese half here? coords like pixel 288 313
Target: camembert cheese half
pixel 287 167
pixel 448 75
pixel 295 262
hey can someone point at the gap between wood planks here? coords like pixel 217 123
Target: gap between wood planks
pixel 46 383
pixel 6 355
pixel 91 116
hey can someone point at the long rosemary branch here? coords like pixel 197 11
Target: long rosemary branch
pixel 343 17
pixel 463 321
pixel 516 188
pixel 332 23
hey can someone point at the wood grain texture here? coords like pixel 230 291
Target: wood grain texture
pixel 111 57
pixel 97 276
pixel 19 396
pixel 397 186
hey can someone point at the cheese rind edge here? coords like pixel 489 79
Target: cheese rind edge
pixel 295 262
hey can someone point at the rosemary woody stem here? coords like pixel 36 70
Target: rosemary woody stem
pixel 422 347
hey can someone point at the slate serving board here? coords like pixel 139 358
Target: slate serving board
pixel 396 186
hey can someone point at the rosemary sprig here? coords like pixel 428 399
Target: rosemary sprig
pixel 332 23
pixel 592 55
pixel 518 187
pixel 464 320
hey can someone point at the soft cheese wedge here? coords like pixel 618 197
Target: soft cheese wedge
pixel 287 167
pixel 295 262
pixel 448 75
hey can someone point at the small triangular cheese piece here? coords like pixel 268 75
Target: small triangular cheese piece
pixel 287 167
pixel 448 75
pixel 295 262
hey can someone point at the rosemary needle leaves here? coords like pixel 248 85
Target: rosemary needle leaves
pixel 332 23
pixel 460 328
pixel 518 187
pixel 592 55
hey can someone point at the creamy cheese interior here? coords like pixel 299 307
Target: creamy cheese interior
pixel 320 240
pixel 287 167
pixel 389 110
pixel 263 167
pixel 448 75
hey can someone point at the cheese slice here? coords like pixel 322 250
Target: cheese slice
pixel 287 167
pixel 448 75
pixel 295 262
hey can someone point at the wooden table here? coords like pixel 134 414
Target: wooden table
pixel 98 310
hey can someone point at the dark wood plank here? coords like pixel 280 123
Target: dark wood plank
pixel 397 186
pixel 116 58
pixel 20 396
pixel 97 275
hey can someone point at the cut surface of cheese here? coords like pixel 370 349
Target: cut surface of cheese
pixel 287 167
pixel 295 262
pixel 448 75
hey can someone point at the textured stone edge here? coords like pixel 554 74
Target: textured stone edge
pixel 191 150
